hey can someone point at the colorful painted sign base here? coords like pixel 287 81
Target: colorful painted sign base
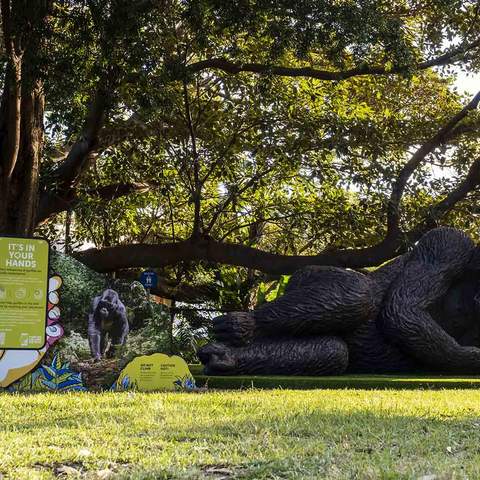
pixel 16 363
pixel 155 372
pixel 23 292
pixel 56 377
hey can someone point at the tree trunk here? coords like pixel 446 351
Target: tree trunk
pixel 21 115
pixel 20 189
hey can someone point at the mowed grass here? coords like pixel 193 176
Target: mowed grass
pixel 250 434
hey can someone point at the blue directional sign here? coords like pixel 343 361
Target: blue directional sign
pixel 149 279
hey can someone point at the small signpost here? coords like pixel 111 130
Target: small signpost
pixel 23 292
pixel 149 279
pixel 155 373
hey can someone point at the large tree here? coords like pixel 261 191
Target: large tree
pixel 197 108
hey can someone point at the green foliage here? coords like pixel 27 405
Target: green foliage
pixel 268 292
pixel 135 298
pixel 80 285
pixel 74 347
pixel 189 336
pixel 153 337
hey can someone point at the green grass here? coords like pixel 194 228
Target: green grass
pixel 250 434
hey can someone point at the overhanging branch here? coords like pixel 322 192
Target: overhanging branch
pixel 53 203
pixel 70 170
pixel 210 250
pixel 206 249
pixel 234 68
pixel 440 209
pixel 444 134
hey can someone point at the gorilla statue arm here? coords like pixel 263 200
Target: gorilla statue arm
pixel 439 258
pixel 317 300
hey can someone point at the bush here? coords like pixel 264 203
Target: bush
pixel 140 310
pixel 73 348
pixel 152 337
pixel 80 285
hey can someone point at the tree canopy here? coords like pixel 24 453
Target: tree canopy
pixel 253 133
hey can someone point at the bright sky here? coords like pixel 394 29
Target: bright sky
pixel 468 83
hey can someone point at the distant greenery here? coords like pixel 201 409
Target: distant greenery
pixel 80 285
pixel 149 321
pixel 267 292
pixel 257 435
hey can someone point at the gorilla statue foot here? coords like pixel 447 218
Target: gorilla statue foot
pixel 218 359
pixel 235 328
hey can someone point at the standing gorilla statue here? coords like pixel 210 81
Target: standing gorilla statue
pixel 419 312
pixel 108 315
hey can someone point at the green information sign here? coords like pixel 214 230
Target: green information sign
pixel 23 292
pixel 155 372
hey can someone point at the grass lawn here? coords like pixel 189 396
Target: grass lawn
pixel 252 434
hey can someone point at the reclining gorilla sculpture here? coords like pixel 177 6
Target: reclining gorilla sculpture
pixel 420 312
pixel 108 315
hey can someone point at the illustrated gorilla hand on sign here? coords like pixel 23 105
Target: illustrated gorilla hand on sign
pixel 108 316
pixel 14 364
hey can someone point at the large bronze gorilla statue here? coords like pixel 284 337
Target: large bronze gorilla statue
pixel 420 312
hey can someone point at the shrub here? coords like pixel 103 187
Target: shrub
pixel 80 285
pixel 73 347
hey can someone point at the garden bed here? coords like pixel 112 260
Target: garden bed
pixel 407 382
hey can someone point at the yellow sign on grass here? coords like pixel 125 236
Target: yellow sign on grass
pixel 155 372
pixel 23 292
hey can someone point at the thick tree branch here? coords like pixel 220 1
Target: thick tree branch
pixel 444 134
pixel 52 203
pixel 207 249
pixel 69 171
pixel 232 67
pixel 440 209
pixel 197 185
pixel 67 174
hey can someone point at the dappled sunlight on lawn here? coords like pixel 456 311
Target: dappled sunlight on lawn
pixel 247 434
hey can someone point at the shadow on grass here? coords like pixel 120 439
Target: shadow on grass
pixel 265 436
